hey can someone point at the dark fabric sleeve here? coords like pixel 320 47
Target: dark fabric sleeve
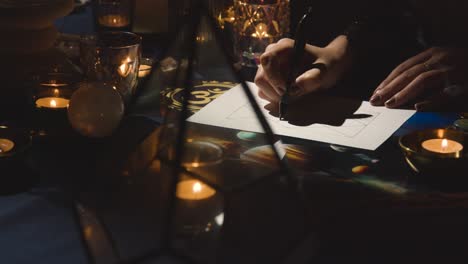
pixel 382 34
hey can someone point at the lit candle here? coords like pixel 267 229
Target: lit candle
pixel 125 68
pixel 6 145
pixel 194 190
pixel 144 70
pixel 261 31
pixel 442 146
pixel 52 102
pixel 114 21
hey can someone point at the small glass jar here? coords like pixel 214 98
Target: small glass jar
pixel 113 14
pixel 113 57
pixel 257 24
pixel 51 96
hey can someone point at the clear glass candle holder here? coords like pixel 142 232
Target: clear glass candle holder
pixel 257 24
pixel 113 14
pixel 438 157
pixel 113 57
pixel 51 96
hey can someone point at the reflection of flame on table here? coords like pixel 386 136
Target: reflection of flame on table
pixel 298 156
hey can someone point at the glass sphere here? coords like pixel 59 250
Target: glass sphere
pixel 96 109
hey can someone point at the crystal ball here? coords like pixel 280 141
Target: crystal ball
pixel 96 109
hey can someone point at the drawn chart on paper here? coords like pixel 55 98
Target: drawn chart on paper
pixel 350 128
pixel 232 110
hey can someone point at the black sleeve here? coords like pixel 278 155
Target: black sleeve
pixel 382 34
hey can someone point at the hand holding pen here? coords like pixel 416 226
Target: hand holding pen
pixel 298 53
pixel 318 68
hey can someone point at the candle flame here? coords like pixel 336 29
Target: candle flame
pixel 124 68
pixel 261 31
pixel 444 143
pixel 197 187
pixel 53 103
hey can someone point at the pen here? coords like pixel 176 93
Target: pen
pixel 298 51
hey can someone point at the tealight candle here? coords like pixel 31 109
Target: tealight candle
pixel 197 206
pixel 442 146
pixel 114 21
pixel 6 145
pixel 144 70
pixel 52 102
pixel 194 190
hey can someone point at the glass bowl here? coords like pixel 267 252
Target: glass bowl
pixel 444 168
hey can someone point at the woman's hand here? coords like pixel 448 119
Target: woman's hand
pixel 321 68
pixel 428 79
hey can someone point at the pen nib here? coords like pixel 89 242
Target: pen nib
pixel 283 105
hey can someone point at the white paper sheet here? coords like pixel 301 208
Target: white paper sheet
pixel 232 110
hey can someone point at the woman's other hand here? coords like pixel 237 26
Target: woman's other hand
pixel 427 79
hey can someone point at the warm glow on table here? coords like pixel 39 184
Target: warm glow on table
pixel 442 146
pixel 6 145
pixel 193 190
pixel 52 102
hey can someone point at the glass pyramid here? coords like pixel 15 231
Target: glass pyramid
pixel 216 194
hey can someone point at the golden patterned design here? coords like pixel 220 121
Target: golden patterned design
pixel 201 95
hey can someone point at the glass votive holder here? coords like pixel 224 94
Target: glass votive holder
pixel 200 153
pixel 113 57
pixel 113 14
pixel 198 219
pixel 438 156
pixel 51 96
pixel 197 206
pixel 257 24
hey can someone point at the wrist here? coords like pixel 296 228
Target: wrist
pixel 339 47
pixel 339 51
